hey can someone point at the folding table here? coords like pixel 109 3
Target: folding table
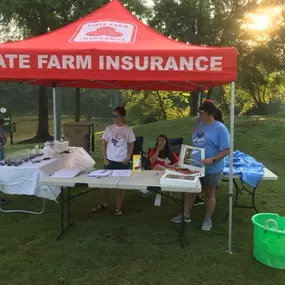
pixel 142 181
pixel 150 181
pixel 25 179
pixel 268 176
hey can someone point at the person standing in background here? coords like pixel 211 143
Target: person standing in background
pixel 117 148
pixel 213 136
pixel 218 116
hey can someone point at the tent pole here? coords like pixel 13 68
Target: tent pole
pixel 231 184
pixel 199 99
pixel 56 115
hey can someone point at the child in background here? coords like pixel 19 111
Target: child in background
pixel 3 140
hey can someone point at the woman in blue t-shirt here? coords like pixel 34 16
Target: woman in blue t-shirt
pixel 213 136
pixel 218 117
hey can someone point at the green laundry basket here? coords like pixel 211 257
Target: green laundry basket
pixel 269 239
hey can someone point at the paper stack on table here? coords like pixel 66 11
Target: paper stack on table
pixel 121 173
pixel 114 173
pixel 66 173
pixel 176 171
pixel 100 173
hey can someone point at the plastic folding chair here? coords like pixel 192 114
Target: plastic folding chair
pixel 138 145
pixel 175 144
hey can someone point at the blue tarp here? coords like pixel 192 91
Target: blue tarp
pixel 250 170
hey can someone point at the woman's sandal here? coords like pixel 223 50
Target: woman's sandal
pixel 100 207
pixel 118 212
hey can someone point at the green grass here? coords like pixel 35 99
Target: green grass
pixel 27 126
pixel 142 247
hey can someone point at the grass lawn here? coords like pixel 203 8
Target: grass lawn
pixel 27 126
pixel 142 247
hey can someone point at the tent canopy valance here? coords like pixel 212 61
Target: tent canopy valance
pixel 112 49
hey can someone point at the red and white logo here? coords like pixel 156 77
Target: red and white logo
pixel 105 31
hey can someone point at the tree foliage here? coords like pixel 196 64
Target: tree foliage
pixel 262 76
pixel 261 58
pixel 223 23
pixel 146 106
pixel 36 17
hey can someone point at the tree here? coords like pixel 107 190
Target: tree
pixel 149 106
pixel 213 23
pixel 36 17
pixel 262 61
pixel 262 76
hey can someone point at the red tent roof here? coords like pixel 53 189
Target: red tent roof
pixel 110 48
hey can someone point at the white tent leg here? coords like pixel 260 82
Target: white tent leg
pixel 56 115
pixel 231 183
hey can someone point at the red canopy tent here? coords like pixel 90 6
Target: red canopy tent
pixel 111 49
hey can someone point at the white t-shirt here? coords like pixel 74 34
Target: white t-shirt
pixel 118 139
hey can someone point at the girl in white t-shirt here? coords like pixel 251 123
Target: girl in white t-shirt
pixel 117 148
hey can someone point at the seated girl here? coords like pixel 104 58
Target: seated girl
pixel 161 156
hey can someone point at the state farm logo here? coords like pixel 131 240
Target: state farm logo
pixel 105 31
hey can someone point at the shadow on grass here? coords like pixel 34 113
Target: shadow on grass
pixel 35 140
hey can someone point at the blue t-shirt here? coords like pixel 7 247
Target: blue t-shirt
pixel 214 138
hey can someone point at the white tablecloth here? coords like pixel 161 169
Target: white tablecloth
pixel 24 179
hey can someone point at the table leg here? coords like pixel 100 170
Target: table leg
pixel 63 228
pixel 69 198
pixel 253 200
pixel 157 190
pixel 182 230
pixel 147 195
pixel 61 213
pixel 68 206
pixel 238 191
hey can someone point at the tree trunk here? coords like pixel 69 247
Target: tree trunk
pixel 193 100
pixel 261 108
pixel 77 104
pixel 210 92
pixel 43 127
pixel 161 105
